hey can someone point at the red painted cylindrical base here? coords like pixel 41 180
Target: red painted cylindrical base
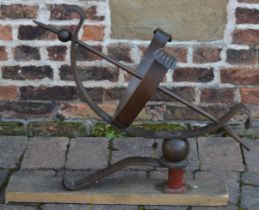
pixel 175 182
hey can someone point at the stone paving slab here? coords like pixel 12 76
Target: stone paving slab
pixel 12 148
pixel 193 159
pixel 16 207
pixel 252 156
pixel 114 207
pixel 64 207
pixel 165 208
pixel 250 178
pixel 217 153
pixel 126 147
pixel 129 190
pixel 45 153
pixel 230 178
pixel 88 153
pixel 228 207
pixel 249 197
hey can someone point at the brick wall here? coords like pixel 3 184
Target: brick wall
pixel 36 80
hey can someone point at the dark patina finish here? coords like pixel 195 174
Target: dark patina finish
pixel 147 77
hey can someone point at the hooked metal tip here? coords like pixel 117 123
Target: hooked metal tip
pixel 76 9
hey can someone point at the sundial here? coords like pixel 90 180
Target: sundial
pixel 175 190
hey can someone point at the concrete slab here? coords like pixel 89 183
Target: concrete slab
pixel 45 153
pixel 252 156
pixel 64 207
pixel 231 179
pixel 250 178
pixel 12 148
pixel 129 190
pixel 249 197
pixel 16 207
pixel 228 207
pixel 126 147
pixel 87 153
pixel 217 153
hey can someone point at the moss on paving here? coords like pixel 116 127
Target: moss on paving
pixel 12 129
pixel 105 130
pixel 99 129
pixel 57 128
pixel 161 126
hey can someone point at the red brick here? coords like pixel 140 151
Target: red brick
pixel 85 55
pixel 8 92
pixel 57 13
pixel 18 11
pixel 152 112
pixel 179 53
pixel 75 110
pixel 206 54
pixel 48 93
pixel 25 110
pixel 174 112
pixel 93 33
pixel 218 95
pixel 34 33
pixel 247 36
pixel 244 15
pixel 6 32
pixel 82 110
pixel 250 95
pixel 185 92
pixel 113 94
pixel 3 54
pixel 57 53
pixel 193 75
pixel 120 52
pixel 90 73
pixel 27 72
pixel 242 56
pixel 240 76
pixel 61 93
pixel 26 53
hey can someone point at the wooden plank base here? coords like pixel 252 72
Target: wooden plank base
pixel 128 190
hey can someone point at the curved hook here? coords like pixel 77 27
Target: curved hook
pixel 73 55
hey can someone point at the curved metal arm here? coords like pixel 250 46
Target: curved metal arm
pixel 93 178
pixel 73 55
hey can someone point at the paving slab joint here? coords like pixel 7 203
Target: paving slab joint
pixel 243 157
pixel 240 189
pixel 66 153
pixel 110 151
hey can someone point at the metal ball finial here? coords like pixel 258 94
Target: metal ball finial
pixel 175 150
pixel 64 35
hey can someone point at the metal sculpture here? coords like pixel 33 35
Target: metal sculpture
pixel 147 77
